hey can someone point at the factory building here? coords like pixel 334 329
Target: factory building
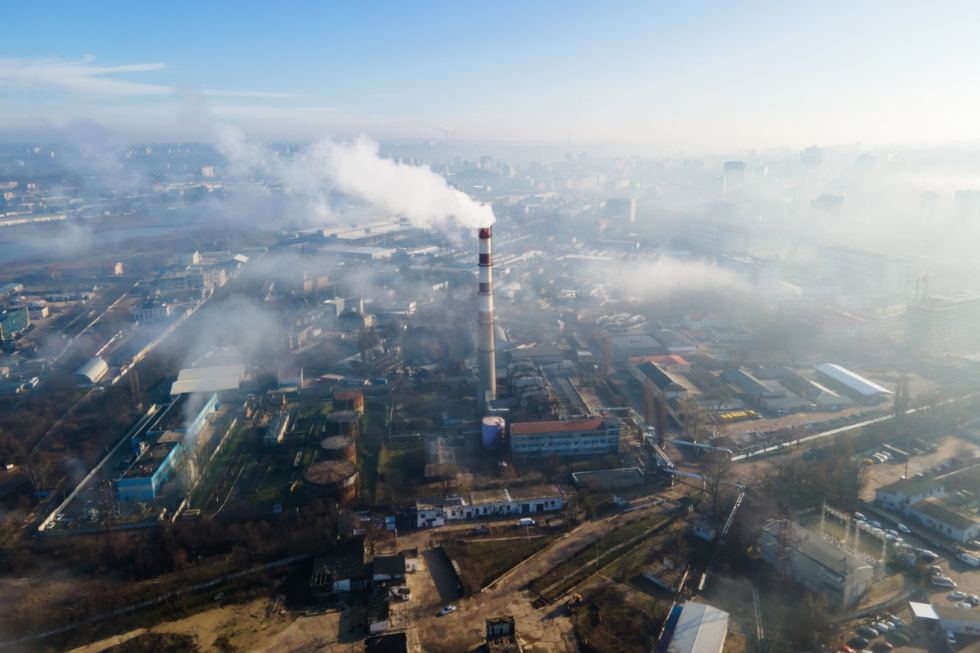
pixel 432 512
pixel 582 437
pixel 818 565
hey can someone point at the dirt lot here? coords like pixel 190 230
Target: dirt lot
pixel 247 627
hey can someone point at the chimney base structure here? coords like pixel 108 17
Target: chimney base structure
pixel 488 365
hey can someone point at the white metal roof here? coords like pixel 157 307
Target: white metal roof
pixel 851 380
pixel 923 611
pixel 93 369
pixel 700 629
pixel 214 384
pixel 208 379
pixel 193 373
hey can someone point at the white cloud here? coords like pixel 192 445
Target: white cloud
pixel 82 76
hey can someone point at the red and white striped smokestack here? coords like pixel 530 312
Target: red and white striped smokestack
pixel 488 366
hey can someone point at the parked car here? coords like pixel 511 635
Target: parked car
pixel 928 555
pixel 868 632
pixel 934 569
pixel 891 532
pixel 957 595
pixel 858 516
pixel 882 646
pixel 973 599
pixel 876 524
pixel 896 620
pixel 973 544
pixel 943 581
pixel 968 559
pixel 858 642
pixel 950 637
pixel 964 605
pixel 446 610
pixel 882 626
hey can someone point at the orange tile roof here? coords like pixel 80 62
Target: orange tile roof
pixel 563 426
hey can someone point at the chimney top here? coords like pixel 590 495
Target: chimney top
pixel 485 233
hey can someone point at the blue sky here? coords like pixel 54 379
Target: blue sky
pixel 697 75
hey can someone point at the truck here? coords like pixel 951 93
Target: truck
pixel 526 521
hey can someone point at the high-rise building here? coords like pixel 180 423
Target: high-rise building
pixel 717 238
pixel 827 206
pixel 757 273
pixel 486 162
pixel 207 171
pixel 720 212
pixel 865 272
pixel 734 175
pixel 966 204
pixel 812 157
pixel 718 185
pixel 945 323
pixel 623 208
pixel 929 206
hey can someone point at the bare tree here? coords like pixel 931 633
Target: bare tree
pixel 695 418
pixel 649 402
pixel 373 534
pixel 660 419
pixel 188 473
pixel 40 470
pixel 716 468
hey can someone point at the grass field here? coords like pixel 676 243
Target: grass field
pixel 216 468
pixel 491 559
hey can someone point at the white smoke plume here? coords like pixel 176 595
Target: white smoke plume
pixel 417 193
pixel 666 277
pixel 356 169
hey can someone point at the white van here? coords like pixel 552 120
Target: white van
pixel 943 581
pixel 968 559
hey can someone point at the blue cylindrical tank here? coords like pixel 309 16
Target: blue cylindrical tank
pixel 493 430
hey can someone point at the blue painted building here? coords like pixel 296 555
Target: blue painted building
pixel 158 453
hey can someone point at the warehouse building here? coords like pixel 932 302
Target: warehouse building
pixel 577 437
pixel 91 371
pixel 855 386
pixel 926 501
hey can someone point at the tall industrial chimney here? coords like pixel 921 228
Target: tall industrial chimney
pixel 488 365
